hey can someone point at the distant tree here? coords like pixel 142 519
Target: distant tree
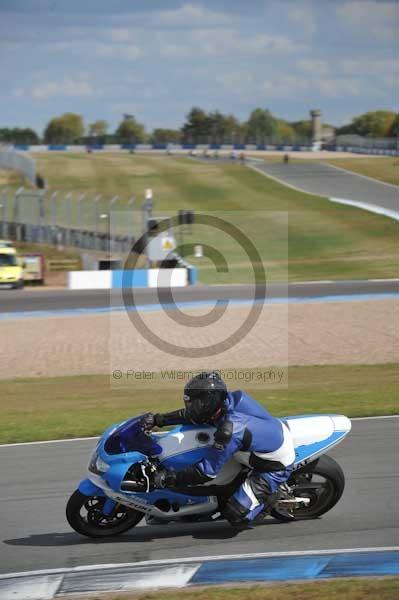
pixel 395 128
pixel 201 127
pixel 222 128
pixel 372 124
pixel 231 126
pixel 196 128
pixel 241 134
pixel 98 129
pixel 285 133
pixel 261 126
pixel 17 135
pixel 303 129
pixel 66 129
pixel 163 136
pixel 130 131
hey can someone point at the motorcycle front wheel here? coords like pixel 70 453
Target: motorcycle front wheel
pixel 85 516
pixel 322 482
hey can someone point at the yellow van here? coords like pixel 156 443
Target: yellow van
pixel 11 268
pixel 6 244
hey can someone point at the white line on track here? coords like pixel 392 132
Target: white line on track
pixel 293 187
pixel 373 208
pixel 375 417
pixel 84 439
pixel 196 559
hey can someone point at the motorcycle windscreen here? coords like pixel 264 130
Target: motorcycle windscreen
pixel 129 437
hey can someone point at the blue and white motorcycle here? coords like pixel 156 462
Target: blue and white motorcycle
pixel 119 490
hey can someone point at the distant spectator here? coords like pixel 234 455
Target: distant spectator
pixel 286 159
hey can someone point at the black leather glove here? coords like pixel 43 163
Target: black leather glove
pixel 164 478
pixel 147 422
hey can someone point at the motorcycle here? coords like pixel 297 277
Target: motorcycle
pixel 119 490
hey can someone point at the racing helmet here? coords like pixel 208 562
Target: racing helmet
pixel 204 397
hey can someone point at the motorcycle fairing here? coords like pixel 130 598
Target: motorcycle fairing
pixel 314 435
pixel 119 464
pixel 184 445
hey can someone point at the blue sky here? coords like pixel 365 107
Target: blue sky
pixel 156 59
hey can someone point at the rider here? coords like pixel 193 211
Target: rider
pixel 263 442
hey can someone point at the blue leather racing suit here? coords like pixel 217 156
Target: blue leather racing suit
pixel 255 438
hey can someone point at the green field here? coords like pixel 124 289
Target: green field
pixel 322 240
pixel 65 407
pixel 382 168
pixel 346 589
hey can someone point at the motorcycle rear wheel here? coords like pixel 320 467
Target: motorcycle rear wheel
pixel 85 516
pixel 322 481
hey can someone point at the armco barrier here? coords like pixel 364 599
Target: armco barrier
pixel 138 278
pixel 199 147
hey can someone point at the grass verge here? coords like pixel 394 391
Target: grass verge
pixel 383 168
pixel 66 407
pixel 320 240
pixel 342 589
pixel 316 238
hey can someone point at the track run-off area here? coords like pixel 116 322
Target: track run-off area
pixel 37 480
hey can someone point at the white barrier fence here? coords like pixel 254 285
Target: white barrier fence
pixel 24 164
pixel 139 278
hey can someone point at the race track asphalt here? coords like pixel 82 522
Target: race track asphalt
pixel 38 479
pixel 63 299
pixel 325 180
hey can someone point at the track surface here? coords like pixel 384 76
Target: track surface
pixel 33 300
pixel 37 480
pixel 324 180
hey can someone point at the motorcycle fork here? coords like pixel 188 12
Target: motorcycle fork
pixel 110 507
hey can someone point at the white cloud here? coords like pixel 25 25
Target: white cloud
pixel 338 87
pixel 303 17
pixel 314 66
pixel 240 84
pixel 369 66
pixel 59 46
pixel 287 86
pixel 231 42
pixel 284 86
pixel 120 51
pixel 370 17
pixel 119 34
pixel 391 81
pixel 69 86
pixel 191 15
